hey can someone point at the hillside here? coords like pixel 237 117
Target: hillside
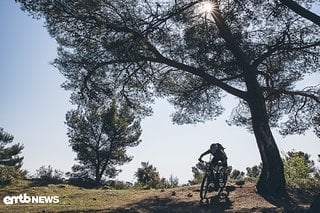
pixel 182 199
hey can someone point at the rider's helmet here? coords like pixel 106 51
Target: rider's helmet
pixel 215 147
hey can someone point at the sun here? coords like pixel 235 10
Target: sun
pixel 206 7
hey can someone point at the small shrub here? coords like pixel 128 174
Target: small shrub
pixel 8 173
pixel 148 176
pixel 237 175
pixel 48 175
pixel 254 172
pixel 118 185
pixel 82 182
pixel 198 173
pixel 299 170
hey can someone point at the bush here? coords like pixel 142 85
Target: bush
pixel 148 176
pixel 237 175
pixel 299 170
pixel 172 182
pixel 48 175
pixel 8 173
pixel 254 172
pixel 118 185
pixel 82 182
pixel 198 173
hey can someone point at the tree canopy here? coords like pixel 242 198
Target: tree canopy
pixel 100 137
pixel 138 49
pixel 148 175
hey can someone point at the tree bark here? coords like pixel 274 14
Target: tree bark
pixel 271 181
pixel 98 177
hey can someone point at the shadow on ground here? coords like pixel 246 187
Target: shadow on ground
pixel 156 204
pixel 185 200
pixel 171 205
pixel 166 205
pixel 214 204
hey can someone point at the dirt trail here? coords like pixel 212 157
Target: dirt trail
pixel 186 199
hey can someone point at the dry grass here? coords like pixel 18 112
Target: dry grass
pixel 184 199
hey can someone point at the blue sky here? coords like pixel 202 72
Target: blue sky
pixel 33 107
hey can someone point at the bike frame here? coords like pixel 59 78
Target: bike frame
pixel 215 176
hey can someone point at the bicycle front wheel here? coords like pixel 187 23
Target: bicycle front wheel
pixel 204 187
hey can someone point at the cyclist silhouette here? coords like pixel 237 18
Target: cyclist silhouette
pixel 217 151
pixel 215 177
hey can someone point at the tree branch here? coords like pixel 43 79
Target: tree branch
pixel 302 11
pixel 159 58
pixel 294 93
pixel 284 46
pixel 201 73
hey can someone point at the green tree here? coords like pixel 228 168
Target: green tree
pixel 49 175
pixel 237 174
pixel 163 183
pixel 198 173
pixel 172 182
pixel 254 50
pixel 299 169
pixel 9 155
pixel 10 159
pixel 100 137
pixel 255 171
pixel 148 175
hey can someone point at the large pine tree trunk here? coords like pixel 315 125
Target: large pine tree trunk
pixel 271 184
pixel 271 181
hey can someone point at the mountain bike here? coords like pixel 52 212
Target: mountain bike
pixel 214 180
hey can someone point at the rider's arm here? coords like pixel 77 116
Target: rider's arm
pixel 203 154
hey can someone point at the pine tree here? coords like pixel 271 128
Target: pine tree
pixel 9 155
pixel 148 175
pixel 255 171
pixel 299 169
pixel 198 173
pixel 100 137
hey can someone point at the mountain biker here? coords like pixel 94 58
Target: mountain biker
pixel 217 151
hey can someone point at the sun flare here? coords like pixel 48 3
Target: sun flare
pixel 206 7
